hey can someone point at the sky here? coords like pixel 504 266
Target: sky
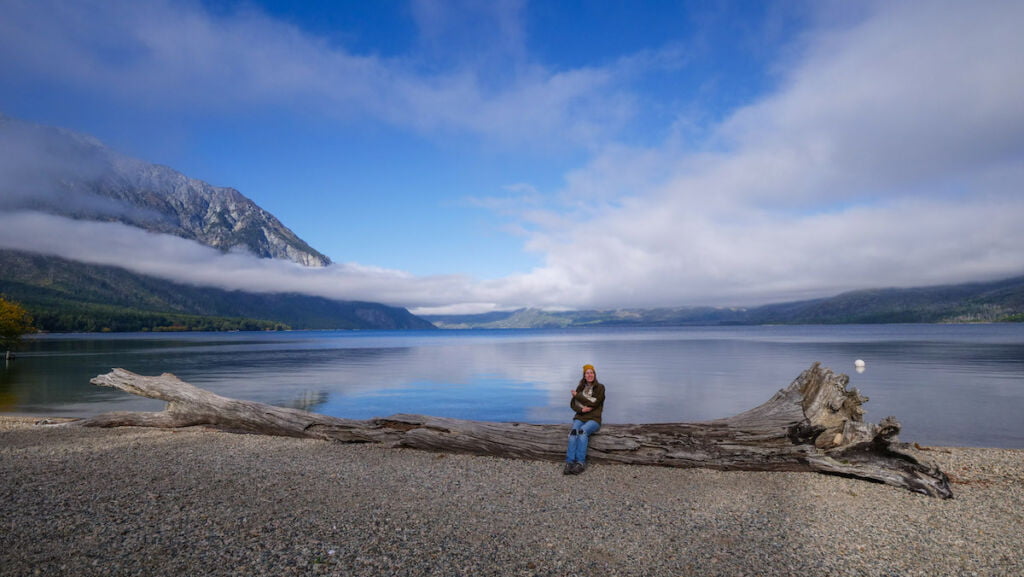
pixel 470 155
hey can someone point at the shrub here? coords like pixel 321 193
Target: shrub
pixel 14 323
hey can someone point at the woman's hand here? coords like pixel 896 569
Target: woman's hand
pixel 586 409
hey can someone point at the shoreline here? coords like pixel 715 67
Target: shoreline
pixel 198 501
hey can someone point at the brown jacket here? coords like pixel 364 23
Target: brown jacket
pixel 594 399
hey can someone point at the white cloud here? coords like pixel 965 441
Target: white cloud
pixel 181 56
pixel 188 262
pixel 887 158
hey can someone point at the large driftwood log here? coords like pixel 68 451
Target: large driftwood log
pixel 815 424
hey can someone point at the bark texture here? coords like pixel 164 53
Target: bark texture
pixel 815 424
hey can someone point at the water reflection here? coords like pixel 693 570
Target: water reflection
pixel 950 385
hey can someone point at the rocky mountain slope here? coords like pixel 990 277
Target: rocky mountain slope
pixel 60 172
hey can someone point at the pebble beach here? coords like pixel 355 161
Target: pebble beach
pixel 133 501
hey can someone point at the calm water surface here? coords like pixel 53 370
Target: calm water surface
pixel 947 384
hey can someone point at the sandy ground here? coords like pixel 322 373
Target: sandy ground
pixel 132 501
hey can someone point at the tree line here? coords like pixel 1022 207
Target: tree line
pixel 17 321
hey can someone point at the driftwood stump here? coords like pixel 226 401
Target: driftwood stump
pixel 815 424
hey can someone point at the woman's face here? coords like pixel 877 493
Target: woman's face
pixel 589 375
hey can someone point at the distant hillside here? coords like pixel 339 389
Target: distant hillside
pixel 67 296
pixel 999 301
pixel 538 319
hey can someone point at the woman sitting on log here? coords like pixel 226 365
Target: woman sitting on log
pixel 587 400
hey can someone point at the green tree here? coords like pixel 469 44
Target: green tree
pixel 14 323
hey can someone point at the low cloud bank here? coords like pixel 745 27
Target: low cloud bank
pixel 188 262
pixel 185 261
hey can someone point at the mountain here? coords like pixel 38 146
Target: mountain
pixel 68 296
pixel 55 171
pixel 998 301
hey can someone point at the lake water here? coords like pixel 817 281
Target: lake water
pixel 947 384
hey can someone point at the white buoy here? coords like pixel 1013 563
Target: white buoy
pixel 858 363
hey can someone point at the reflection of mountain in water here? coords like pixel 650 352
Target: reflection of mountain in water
pixel 308 400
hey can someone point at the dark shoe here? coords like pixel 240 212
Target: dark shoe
pixel 570 469
pixel 580 467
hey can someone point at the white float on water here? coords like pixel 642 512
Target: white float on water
pixel 858 363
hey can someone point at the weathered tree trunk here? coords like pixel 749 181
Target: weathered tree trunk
pixel 815 424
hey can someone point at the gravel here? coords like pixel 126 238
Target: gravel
pixel 149 502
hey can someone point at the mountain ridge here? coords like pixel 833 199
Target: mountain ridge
pixel 64 173
pixel 994 301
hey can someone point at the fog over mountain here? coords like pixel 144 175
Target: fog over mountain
pixel 67 195
pixel 57 172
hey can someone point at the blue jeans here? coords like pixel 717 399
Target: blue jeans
pixel 579 436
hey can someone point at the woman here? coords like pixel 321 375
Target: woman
pixel 587 400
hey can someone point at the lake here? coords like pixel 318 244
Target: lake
pixel 947 384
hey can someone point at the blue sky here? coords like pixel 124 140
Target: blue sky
pixel 478 155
